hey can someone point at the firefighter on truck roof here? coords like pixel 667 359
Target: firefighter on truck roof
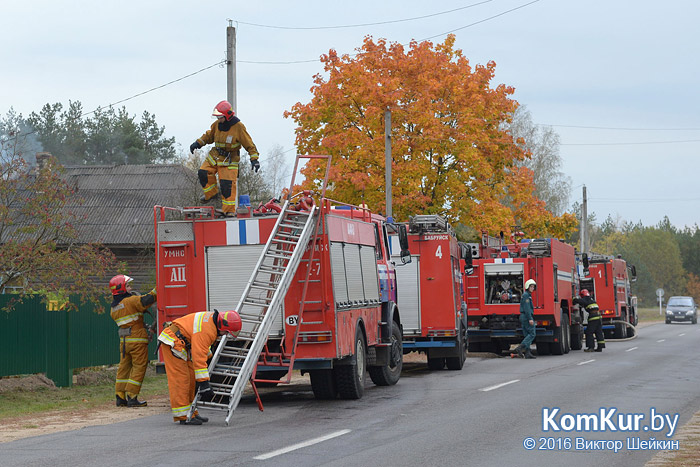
pixel 187 341
pixel 595 325
pixel 227 134
pixel 127 311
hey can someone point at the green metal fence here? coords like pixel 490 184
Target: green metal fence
pixel 36 340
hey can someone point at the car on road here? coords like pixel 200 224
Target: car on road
pixel 681 309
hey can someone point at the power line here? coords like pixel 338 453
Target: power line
pixel 619 128
pixel 645 200
pixel 292 62
pixel 625 144
pixel 363 24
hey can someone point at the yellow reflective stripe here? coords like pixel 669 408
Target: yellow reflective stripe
pixel 207 190
pixel 198 317
pixel 137 339
pixel 211 160
pixel 593 318
pixel 226 202
pixel 230 165
pixel 201 373
pixel 227 145
pixel 166 339
pixel 122 381
pixel 181 411
pixel 135 383
pixel 127 319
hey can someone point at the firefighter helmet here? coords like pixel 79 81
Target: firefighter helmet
pixel 229 321
pixel 118 284
pixel 585 293
pixel 529 283
pixel 223 109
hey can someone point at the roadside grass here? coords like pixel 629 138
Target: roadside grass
pixel 648 315
pixel 26 401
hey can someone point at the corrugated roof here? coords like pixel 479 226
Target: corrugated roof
pixel 117 201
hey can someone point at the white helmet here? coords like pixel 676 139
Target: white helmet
pixel 529 283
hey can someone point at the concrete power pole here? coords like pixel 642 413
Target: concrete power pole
pixel 231 65
pixel 584 222
pixel 387 157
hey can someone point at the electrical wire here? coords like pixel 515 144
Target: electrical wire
pixel 363 24
pixel 618 128
pixel 637 143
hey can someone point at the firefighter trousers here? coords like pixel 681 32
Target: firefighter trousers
pixel 529 332
pixel 228 174
pixel 132 364
pixel 595 327
pixel 181 383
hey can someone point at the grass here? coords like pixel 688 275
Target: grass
pixel 649 315
pixel 24 402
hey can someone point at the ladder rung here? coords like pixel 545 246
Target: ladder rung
pixel 273 269
pixel 211 405
pixel 285 242
pixel 261 303
pixel 226 372
pixel 262 287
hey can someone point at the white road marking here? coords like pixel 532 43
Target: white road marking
pixel 587 361
pixel 631 349
pixel 491 388
pixel 303 444
pixel 661 340
pixel 681 334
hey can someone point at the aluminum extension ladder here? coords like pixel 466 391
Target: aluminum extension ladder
pixel 235 359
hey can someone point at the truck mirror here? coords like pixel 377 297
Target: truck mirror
pixel 466 254
pixel 403 243
pixel 584 258
pixel 633 270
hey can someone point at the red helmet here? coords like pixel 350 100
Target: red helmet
pixel 118 284
pixel 230 321
pixel 585 293
pixel 223 109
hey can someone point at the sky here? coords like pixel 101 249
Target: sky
pixel 616 79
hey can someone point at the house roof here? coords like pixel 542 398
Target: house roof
pixel 117 200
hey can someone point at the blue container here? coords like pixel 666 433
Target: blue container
pixel 244 200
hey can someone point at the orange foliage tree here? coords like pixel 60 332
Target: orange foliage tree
pixel 450 152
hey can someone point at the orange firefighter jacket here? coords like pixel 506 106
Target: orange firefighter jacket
pixel 228 137
pixel 128 313
pixel 198 330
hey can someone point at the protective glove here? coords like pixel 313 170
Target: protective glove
pixel 255 164
pixel 206 393
pixel 194 146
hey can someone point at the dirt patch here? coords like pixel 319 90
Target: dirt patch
pixel 25 383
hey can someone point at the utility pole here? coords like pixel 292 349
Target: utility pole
pixel 231 65
pixel 387 157
pixel 584 221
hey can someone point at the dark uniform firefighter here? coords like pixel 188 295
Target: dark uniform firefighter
pixel 227 134
pixel 187 342
pixel 595 325
pixel 527 321
pixel 127 312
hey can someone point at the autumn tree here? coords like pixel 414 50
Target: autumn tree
pixel 37 249
pixel 450 153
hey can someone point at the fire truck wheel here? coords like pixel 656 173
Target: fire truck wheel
pixel 323 384
pixel 557 346
pixel 620 330
pixel 456 363
pixel 542 348
pixel 577 338
pixel 631 331
pixel 389 374
pixel 436 363
pixel 566 333
pixel 351 378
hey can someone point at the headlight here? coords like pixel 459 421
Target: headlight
pixel 669 312
pixel 689 313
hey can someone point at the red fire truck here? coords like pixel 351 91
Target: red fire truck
pixel 608 280
pixel 496 284
pixel 433 313
pixel 314 286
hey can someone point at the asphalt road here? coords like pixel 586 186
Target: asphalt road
pixel 480 416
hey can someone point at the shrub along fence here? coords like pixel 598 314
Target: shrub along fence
pixel 34 339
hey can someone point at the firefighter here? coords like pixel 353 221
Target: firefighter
pixel 187 341
pixel 595 325
pixel 527 321
pixel 127 311
pixel 227 134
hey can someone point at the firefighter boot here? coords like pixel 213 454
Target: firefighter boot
pixel 528 353
pixel 121 402
pixel 201 418
pixel 193 421
pixel 203 199
pixel 588 350
pixel 135 402
pixel 518 353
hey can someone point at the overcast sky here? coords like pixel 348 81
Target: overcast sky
pixel 617 79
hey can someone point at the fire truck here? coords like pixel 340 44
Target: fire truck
pixel 496 284
pixel 430 296
pixel 608 279
pixel 312 282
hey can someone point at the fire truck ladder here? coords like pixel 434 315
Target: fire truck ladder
pixel 235 359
